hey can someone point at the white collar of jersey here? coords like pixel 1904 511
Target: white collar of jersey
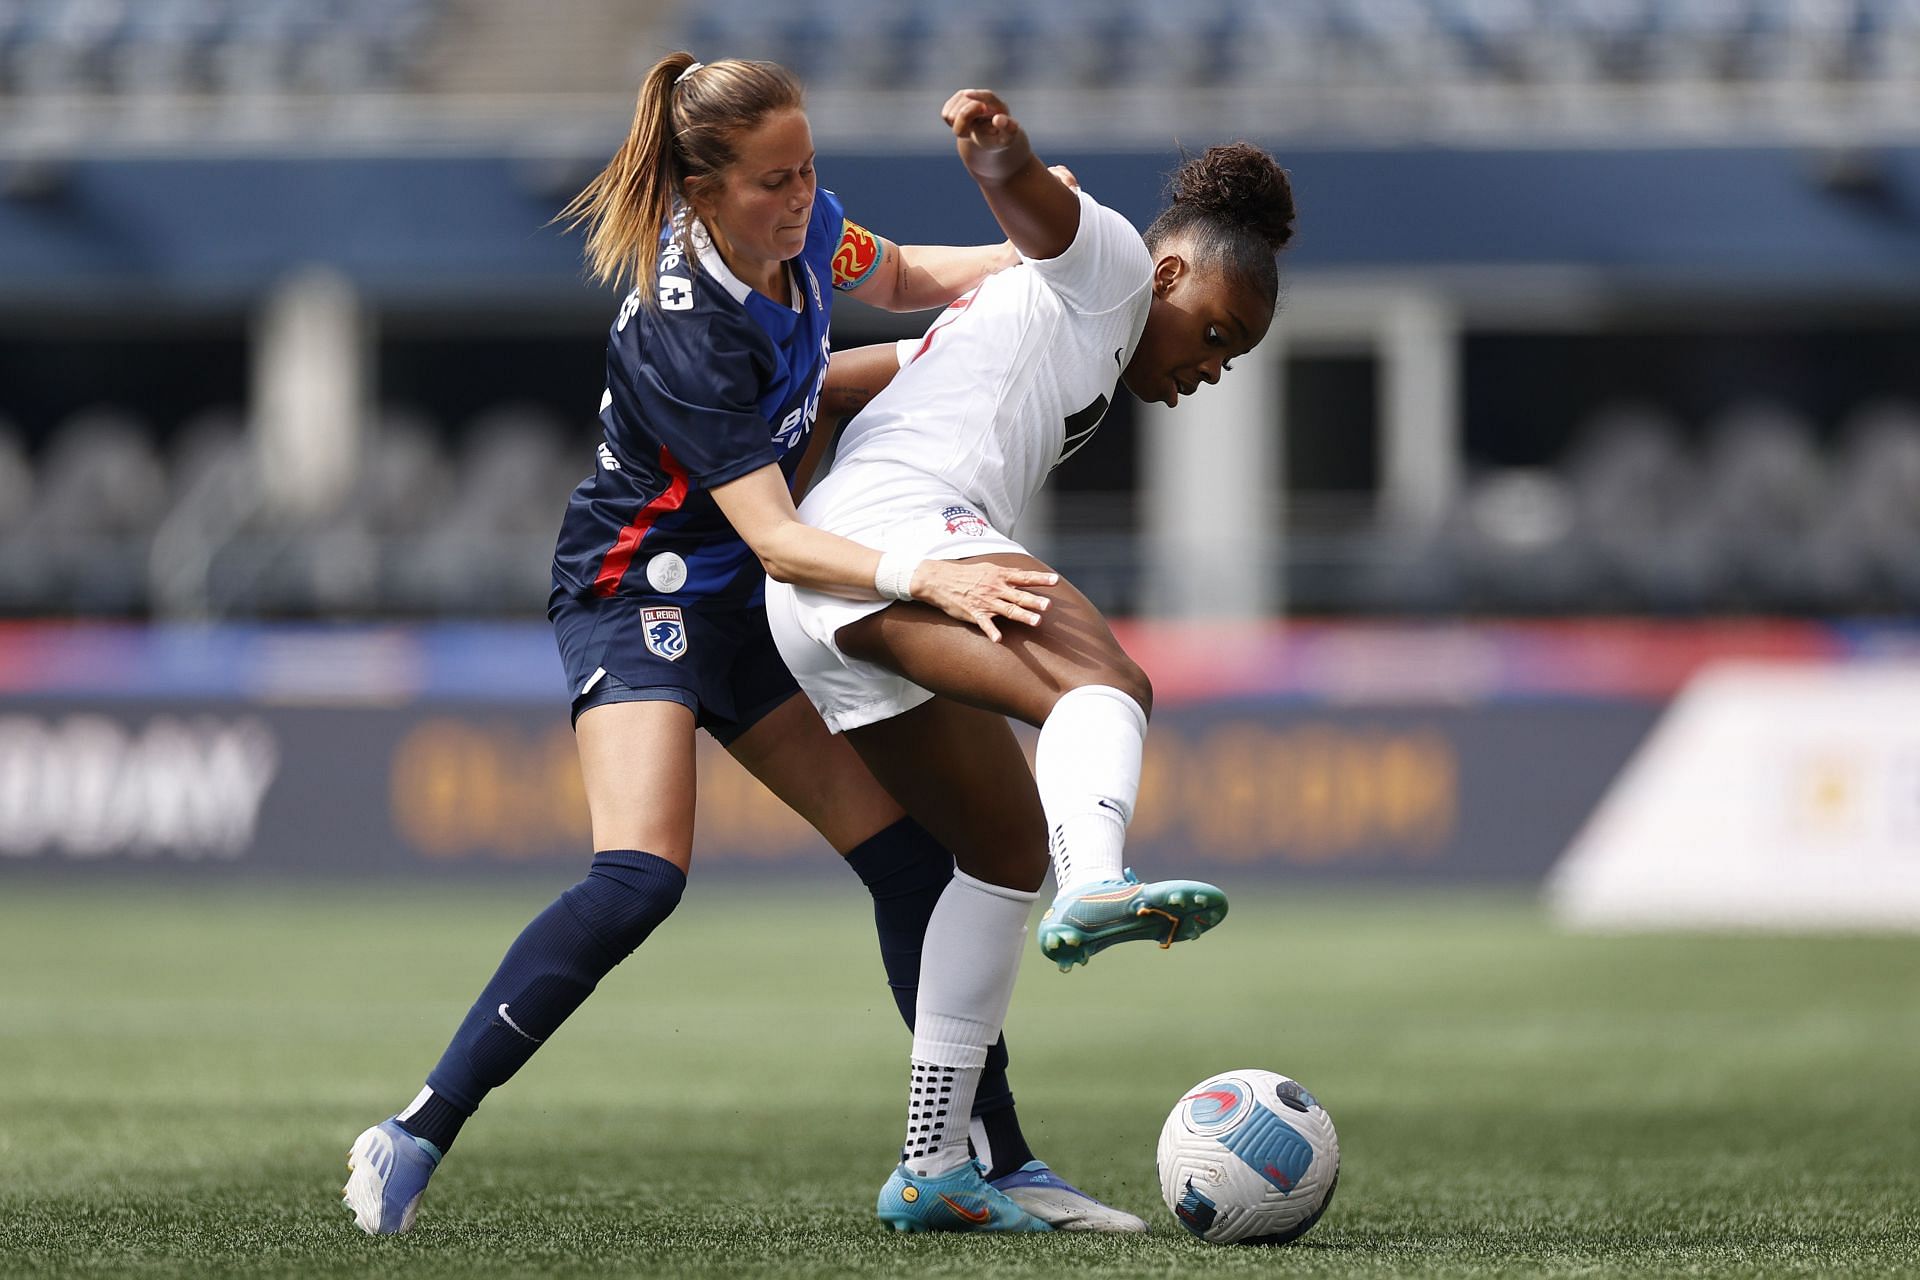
pixel 716 266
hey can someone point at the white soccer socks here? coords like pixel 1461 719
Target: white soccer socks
pixel 969 961
pixel 1088 770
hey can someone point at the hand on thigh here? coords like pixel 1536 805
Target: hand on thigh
pixel 1024 675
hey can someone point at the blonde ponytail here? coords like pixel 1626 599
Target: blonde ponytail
pixel 685 122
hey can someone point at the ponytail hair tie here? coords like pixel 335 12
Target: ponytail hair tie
pixel 689 71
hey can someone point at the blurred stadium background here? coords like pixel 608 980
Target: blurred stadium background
pixel 1569 515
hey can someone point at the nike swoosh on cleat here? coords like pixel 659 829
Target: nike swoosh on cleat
pixel 971 1216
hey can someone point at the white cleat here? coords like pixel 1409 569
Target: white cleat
pixel 389 1172
pixel 1061 1205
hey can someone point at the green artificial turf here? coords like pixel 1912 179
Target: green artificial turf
pixel 181 1074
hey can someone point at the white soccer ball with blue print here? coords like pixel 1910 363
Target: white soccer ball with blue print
pixel 1248 1157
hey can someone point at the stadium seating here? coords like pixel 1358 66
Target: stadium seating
pixel 1757 509
pixel 1516 542
pixel 100 494
pixel 491 549
pixel 1511 66
pixel 1767 499
pixel 22 587
pixel 1877 503
pixel 233 47
pixel 1749 513
pixel 1268 42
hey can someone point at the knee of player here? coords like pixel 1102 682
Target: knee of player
pixel 626 896
pixel 1128 678
pixel 1122 675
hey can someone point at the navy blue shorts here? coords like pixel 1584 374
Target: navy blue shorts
pixel 719 664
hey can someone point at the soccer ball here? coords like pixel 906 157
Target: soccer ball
pixel 1248 1157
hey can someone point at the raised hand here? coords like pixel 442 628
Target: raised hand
pixel 991 142
pixel 1035 206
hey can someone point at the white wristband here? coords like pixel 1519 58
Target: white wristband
pixel 894 575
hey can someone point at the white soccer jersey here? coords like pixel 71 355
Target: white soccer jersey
pixel 1009 381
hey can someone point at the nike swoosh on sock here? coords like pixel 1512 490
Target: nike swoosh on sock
pixel 508 1019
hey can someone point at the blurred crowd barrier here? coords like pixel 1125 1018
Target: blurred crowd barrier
pixel 1332 752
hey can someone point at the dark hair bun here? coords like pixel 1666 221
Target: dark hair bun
pixel 1241 184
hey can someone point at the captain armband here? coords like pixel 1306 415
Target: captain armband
pixel 857 257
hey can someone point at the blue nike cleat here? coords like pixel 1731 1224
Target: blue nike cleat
pixel 957 1201
pixel 1061 1205
pixel 1079 926
pixel 390 1171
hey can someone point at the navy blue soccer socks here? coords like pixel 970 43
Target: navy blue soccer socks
pixel 549 970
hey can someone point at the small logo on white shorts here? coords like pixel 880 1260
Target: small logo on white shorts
pixel 964 520
pixel 665 631
pixel 666 572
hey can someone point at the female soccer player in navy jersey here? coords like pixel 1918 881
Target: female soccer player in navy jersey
pixel 715 369
pixel 1009 382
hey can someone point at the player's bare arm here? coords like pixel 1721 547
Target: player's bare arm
pixel 856 375
pixel 1036 208
pixel 915 277
pixel 760 509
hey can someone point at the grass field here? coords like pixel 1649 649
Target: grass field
pixel 181 1074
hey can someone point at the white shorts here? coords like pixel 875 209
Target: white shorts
pixel 848 692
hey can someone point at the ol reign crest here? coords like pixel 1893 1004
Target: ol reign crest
pixel 665 631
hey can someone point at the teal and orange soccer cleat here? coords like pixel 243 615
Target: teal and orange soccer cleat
pixel 390 1168
pixel 1086 922
pixel 961 1200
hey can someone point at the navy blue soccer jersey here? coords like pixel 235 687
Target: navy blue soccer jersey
pixel 711 384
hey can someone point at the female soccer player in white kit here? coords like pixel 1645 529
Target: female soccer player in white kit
pixel 1010 381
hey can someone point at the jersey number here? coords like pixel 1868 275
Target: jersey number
pixel 1080 428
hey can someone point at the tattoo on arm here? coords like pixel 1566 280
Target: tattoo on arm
pixel 838 403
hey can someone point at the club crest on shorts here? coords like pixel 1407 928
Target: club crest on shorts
pixel 964 520
pixel 665 631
